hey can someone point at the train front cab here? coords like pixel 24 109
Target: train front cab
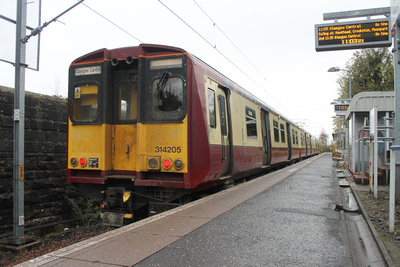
pixel 127 130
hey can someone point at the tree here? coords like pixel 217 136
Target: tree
pixel 371 70
pixel 56 88
pixel 338 122
pixel 323 140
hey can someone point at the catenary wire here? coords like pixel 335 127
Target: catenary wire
pixel 227 58
pixel 202 37
pixel 112 23
pixel 229 39
pixel 240 51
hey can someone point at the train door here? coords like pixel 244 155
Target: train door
pixel 289 140
pixel 125 130
pixel 307 145
pixel 266 135
pixel 225 126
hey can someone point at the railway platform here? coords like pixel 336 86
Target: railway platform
pixel 297 216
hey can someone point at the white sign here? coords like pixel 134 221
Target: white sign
pixel 373 122
pixel 21 220
pixel 88 71
pixel 77 92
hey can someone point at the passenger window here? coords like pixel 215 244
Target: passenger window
pixel 276 131
pixel 251 123
pixel 211 108
pixel 283 139
pixel 128 101
pixel 222 115
pixel 293 138
pixel 297 138
pixel 85 105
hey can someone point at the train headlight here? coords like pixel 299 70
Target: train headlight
pixel 73 161
pixel 167 163
pixel 83 162
pixel 153 163
pixel 178 164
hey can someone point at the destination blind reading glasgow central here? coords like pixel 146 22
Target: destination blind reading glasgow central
pixel 353 34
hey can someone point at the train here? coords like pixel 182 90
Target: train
pixel 150 125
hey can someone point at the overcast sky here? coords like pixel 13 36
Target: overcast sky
pixel 280 64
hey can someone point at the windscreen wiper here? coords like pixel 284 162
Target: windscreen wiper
pixel 162 84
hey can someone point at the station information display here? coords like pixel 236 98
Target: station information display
pixel 353 35
pixel 341 107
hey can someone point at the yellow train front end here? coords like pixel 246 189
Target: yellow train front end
pixel 127 130
pixel 89 139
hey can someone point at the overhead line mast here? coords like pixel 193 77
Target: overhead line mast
pixel 19 118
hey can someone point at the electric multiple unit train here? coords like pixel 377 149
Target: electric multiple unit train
pixel 151 124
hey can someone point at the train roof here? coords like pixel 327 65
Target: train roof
pixel 239 89
pixel 156 49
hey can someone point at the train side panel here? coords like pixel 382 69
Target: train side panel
pixel 280 149
pixel 303 149
pixel 236 124
pixel 247 135
pixel 296 150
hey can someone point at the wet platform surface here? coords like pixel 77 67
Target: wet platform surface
pixel 285 218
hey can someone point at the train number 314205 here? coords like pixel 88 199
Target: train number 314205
pixel 168 149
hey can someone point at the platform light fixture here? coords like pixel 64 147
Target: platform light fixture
pixel 336 69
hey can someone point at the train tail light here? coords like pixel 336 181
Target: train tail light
pixel 167 163
pixel 156 164
pixel 83 162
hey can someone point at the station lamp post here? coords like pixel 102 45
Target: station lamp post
pixel 336 69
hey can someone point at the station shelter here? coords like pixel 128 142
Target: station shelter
pixel 358 116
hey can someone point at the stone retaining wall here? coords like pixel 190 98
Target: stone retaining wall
pixel 45 160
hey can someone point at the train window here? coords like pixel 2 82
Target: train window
pixel 211 108
pixel 85 103
pixel 276 131
pixel 128 101
pixel 297 138
pixel 283 139
pixel 251 123
pixel 222 114
pixel 167 97
pixel 293 138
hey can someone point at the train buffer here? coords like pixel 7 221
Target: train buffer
pixel 288 217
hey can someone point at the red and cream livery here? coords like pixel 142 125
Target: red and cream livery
pixel 153 124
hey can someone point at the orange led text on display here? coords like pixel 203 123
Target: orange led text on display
pixel 352 34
